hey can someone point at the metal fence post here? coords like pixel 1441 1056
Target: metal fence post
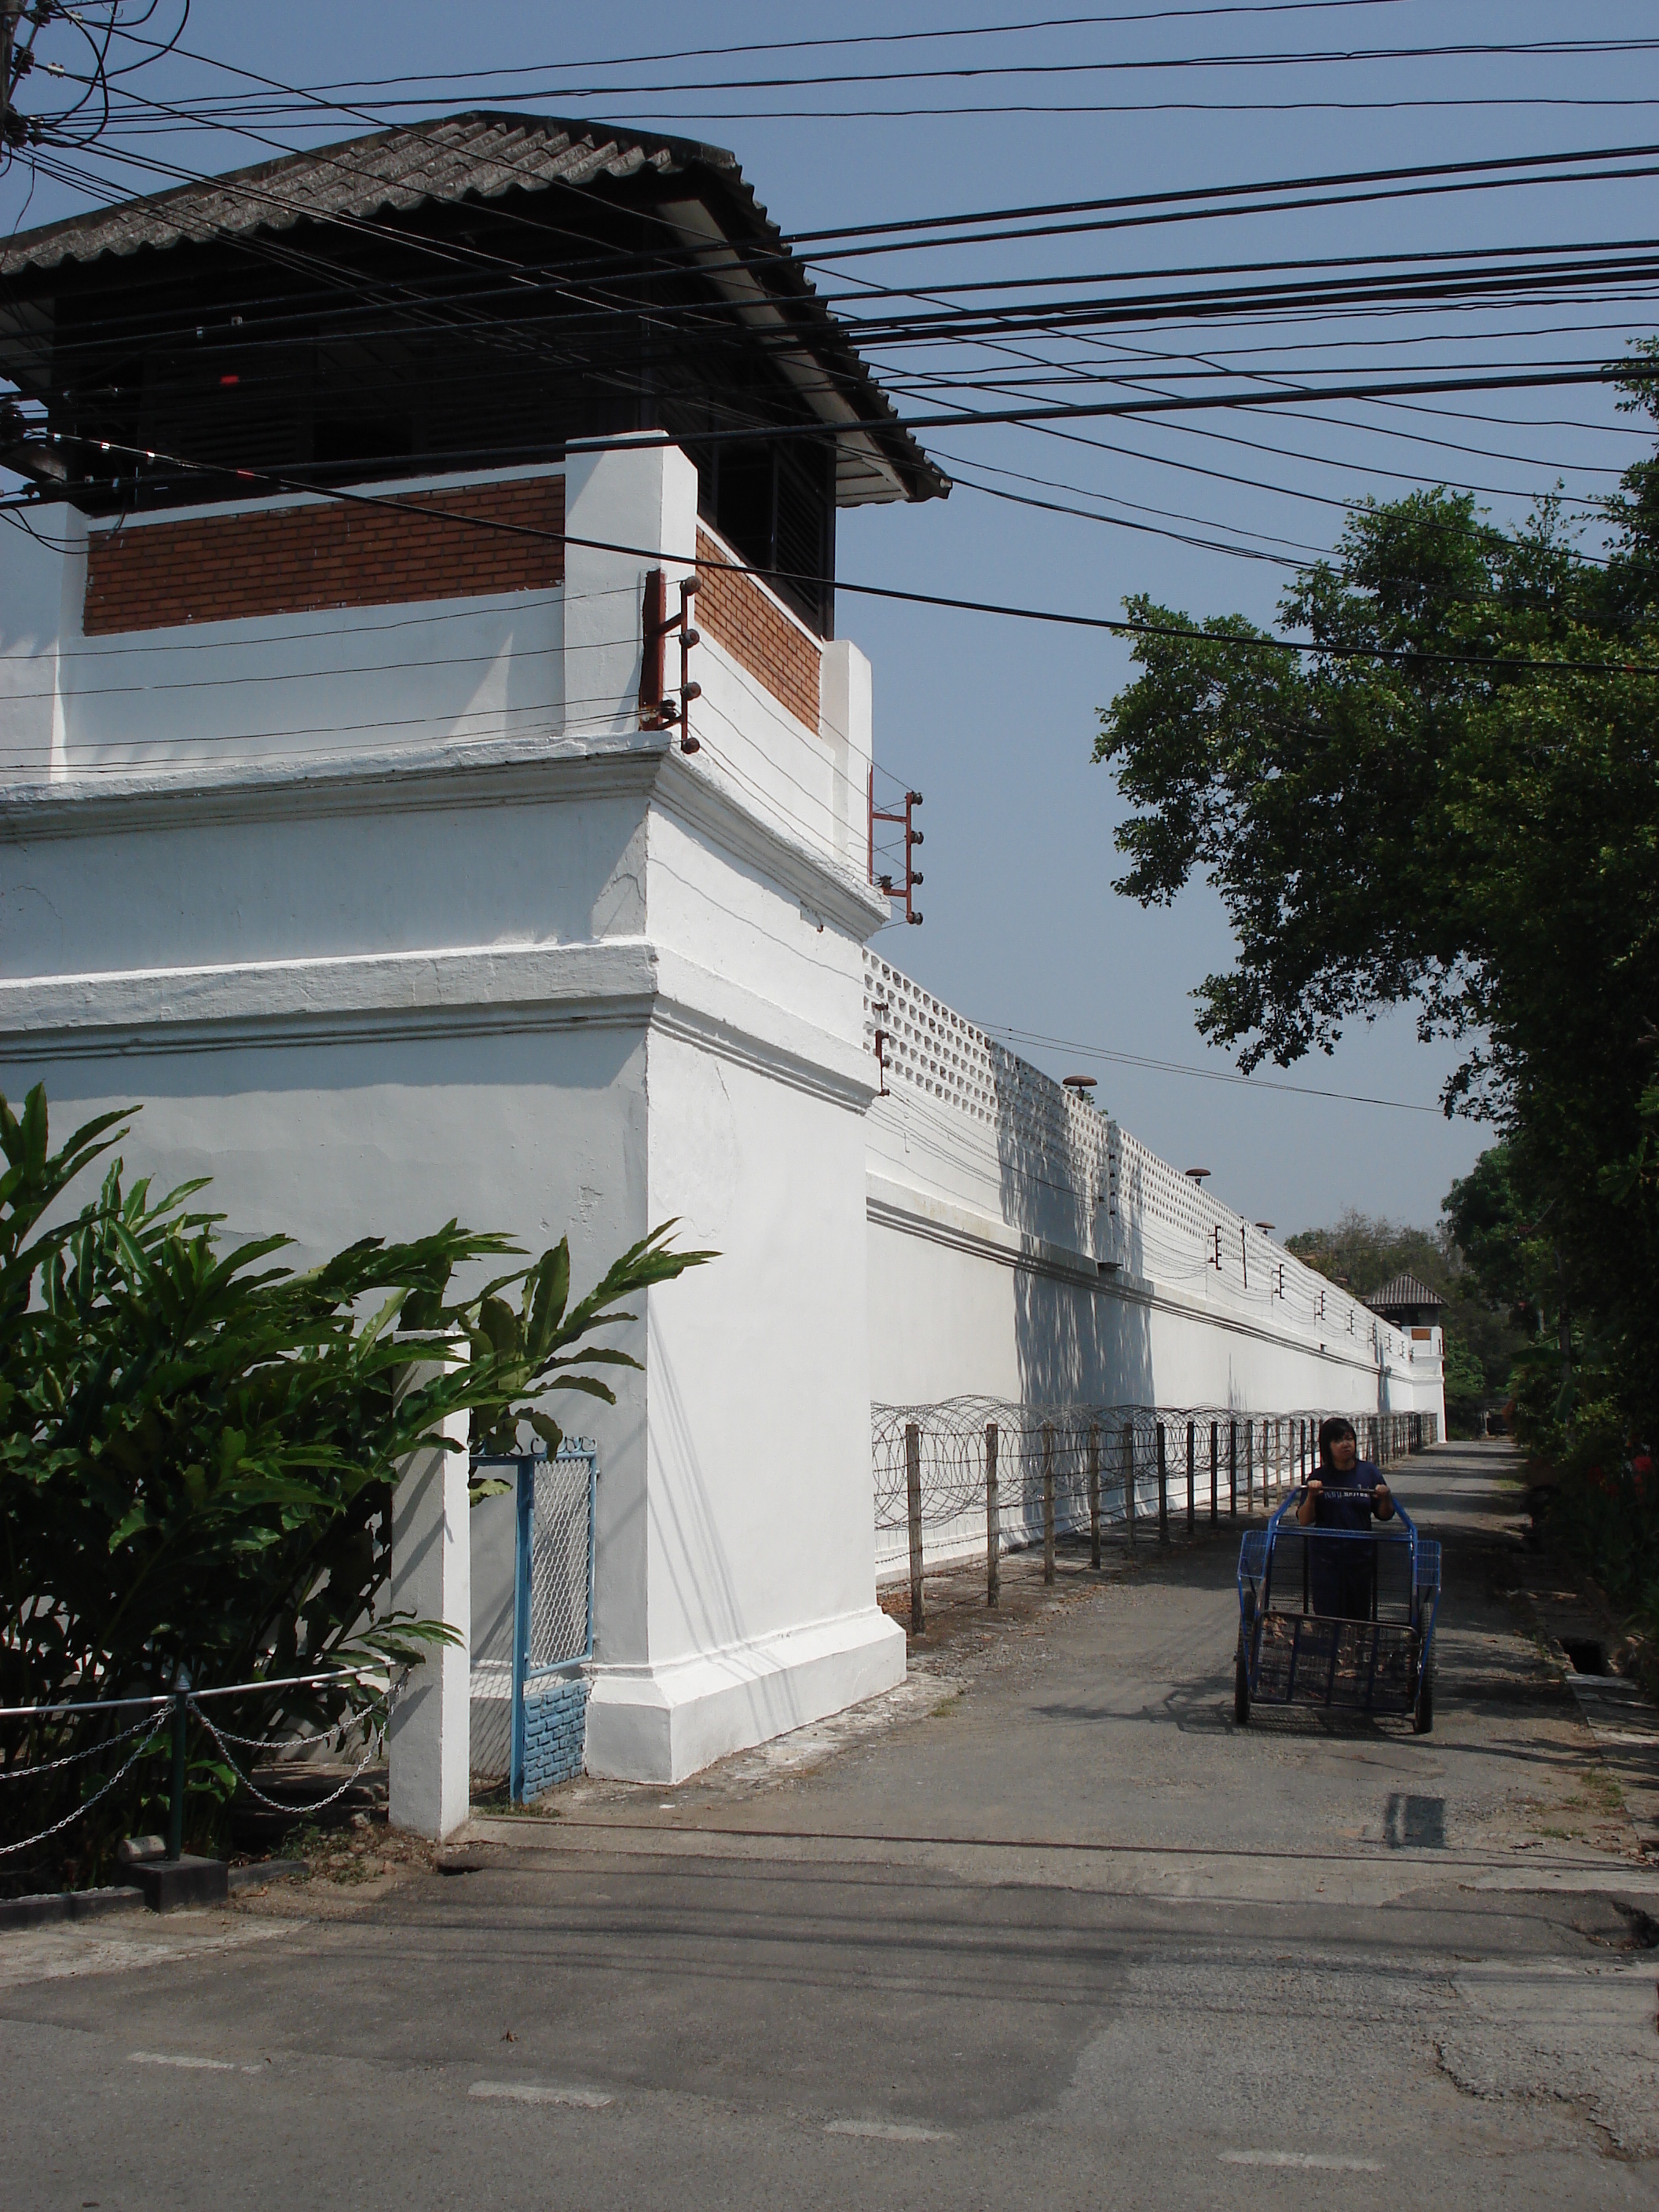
pixel 1163 1489
pixel 913 1492
pixel 1048 1501
pixel 1129 1479
pixel 1232 1470
pixel 1215 1472
pixel 181 1730
pixel 1094 1494
pixel 993 1520
pixel 1192 1512
pixel 525 1503
pixel 1249 1466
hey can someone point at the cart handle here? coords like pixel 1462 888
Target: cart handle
pixel 1408 1525
pixel 1328 1491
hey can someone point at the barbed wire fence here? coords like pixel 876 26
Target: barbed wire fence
pixel 980 1476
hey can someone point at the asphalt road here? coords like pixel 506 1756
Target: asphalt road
pixel 1051 1931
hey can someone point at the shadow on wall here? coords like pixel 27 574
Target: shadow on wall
pixel 1078 1345
pixel 1075 1341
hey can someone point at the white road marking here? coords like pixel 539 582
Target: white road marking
pixel 539 2093
pixel 1320 2161
pixel 888 2131
pixel 196 2065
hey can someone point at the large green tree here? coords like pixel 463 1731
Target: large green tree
pixel 1448 799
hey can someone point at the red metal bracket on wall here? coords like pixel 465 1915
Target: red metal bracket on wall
pixel 884 1037
pixel 658 711
pixel 907 891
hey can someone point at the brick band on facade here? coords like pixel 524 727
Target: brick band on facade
pixel 736 613
pixel 304 560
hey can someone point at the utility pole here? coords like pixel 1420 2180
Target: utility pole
pixel 14 60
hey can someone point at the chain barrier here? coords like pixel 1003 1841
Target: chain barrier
pixel 73 1758
pixel 81 1810
pixel 316 1805
pixel 160 1712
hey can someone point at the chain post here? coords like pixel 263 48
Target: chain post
pixel 180 1729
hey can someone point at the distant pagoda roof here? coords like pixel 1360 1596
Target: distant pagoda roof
pixel 1404 1291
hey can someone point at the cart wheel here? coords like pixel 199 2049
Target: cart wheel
pixel 1423 1714
pixel 1241 1686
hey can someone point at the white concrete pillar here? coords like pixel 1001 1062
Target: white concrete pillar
pixel 429 1742
pixel 41 591
pixel 645 500
pixel 845 724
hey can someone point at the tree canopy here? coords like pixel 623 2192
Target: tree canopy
pixel 1446 800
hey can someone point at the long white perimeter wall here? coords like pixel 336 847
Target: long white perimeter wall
pixel 1024 1248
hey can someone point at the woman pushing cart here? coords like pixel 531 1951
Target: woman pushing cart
pixel 1338 1596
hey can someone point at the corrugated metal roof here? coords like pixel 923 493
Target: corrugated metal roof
pixel 1404 1291
pixel 483 154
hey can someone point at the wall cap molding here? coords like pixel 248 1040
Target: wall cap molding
pixel 539 770
pixel 893 1205
pixel 626 982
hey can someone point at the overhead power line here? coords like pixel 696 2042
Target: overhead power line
pixel 1323 180
pixel 1205 1074
pixel 953 32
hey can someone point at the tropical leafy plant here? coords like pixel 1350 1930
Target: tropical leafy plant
pixel 197 1445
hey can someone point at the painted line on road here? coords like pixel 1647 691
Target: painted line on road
pixel 889 2131
pixel 196 2065
pixel 539 2093
pixel 1318 2161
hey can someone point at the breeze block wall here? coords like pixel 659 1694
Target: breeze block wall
pixel 555 1732
pixel 738 614
pixel 333 553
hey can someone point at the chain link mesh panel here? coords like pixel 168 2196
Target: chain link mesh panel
pixel 560 1541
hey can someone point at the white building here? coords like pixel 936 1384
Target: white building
pixel 341 830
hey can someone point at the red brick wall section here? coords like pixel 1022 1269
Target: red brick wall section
pixel 295 560
pixel 737 614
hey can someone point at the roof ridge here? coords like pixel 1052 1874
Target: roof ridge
pixel 18 251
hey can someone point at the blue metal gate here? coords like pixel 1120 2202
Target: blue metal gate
pixel 552 1616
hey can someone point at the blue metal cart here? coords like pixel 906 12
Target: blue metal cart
pixel 1340 1618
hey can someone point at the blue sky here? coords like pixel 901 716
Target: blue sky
pixel 994 720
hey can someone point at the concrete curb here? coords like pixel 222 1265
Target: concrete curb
pixel 69 1905
pixel 51 1906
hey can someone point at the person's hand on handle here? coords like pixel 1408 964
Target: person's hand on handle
pixel 1382 1502
pixel 1312 1490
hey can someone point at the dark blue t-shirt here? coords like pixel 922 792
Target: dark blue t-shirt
pixel 1341 1578
pixel 1347 1512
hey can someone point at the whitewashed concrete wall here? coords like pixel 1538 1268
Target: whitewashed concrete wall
pixel 393 915
pixel 1024 1247
pixel 474 944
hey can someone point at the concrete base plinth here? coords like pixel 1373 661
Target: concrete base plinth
pixel 661 1724
pixel 170 1883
